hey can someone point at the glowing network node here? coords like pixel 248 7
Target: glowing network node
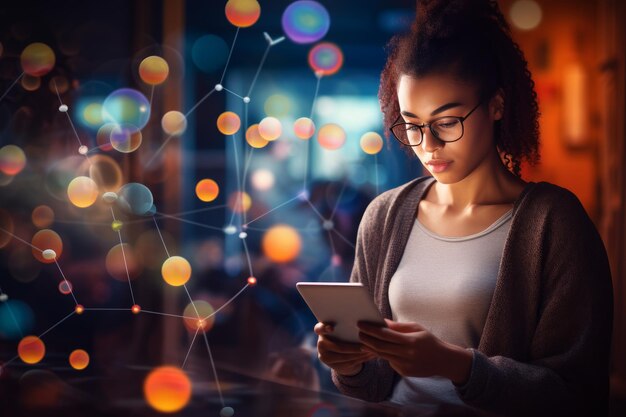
pixel 79 309
pixel 48 239
pixel 82 149
pixel 304 128
pixel 31 350
pixel 331 136
pixel 4 297
pixel 254 138
pixel 325 59
pixel 230 230
pixel 176 271
pixel 82 192
pixel 195 316
pixel 12 160
pixel 335 260
pixel 243 235
pixel 207 190
pixel 228 123
pixel 153 70
pixel 303 195
pixel 37 59
pixel 167 389
pixel 246 100
pixel 270 128
pixel 239 202
pixel 79 359
pixel 49 254
pixel 305 21
pixel 252 281
pixel 109 197
pixel 116 225
pixel 136 309
pixel 281 243
pixel 42 216
pixel 328 225
pixel 219 87
pixel 135 198
pixel 63 108
pixel 227 412
pixel 127 108
pixel 65 287
pixel 243 13
pixel 125 140
pixel 174 123
pixel 371 143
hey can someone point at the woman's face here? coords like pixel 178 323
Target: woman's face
pixel 426 98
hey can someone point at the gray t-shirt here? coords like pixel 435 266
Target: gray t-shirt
pixel 446 285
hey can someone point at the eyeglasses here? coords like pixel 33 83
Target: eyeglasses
pixel 446 129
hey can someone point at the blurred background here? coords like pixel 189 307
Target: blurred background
pixel 303 198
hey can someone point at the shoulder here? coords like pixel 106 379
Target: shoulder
pixel 391 200
pixel 553 202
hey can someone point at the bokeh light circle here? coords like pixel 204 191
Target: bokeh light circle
pixel 153 70
pixel 127 108
pixel 31 350
pixel 135 198
pixel 37 59
pixel 239 202
pixel 281 243
pixel 119 258
pixel 371 143
pixel 106 172
pixel 243 13
pixel 277 105
pixel 325 58
pixel 305 21
pixel 176 271
pixel 65 287
pixel 304 128
pixel 42 216
pixel 12 160
pixel 82 192
pixel 174 123
pixel 125 140
pixel 167 389
pixel 262 179
pixel 331 136
pixel 254 138
pixel 207 190
pixel 525 14
pixel 46 239
pixel 228 123
pixel 204 309
pixel 30 82
pixel 270 128
pixel 79 359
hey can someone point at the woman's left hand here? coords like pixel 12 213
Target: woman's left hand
pixel 410 349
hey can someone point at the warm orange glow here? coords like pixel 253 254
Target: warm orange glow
pixel 207 190
pixel 31 350
pixel 281 243
pixel 46 239
pixel 243 13
pixel 82 192
pixel 228 123
pixel 167 389
pixel 79 359
pixel 176 271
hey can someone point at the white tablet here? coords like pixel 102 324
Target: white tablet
pixel 341 303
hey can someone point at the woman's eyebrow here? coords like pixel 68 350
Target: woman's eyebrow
pixel 435 112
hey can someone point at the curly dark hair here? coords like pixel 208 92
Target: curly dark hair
pixel 471 40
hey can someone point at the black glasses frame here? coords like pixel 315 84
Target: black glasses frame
pixel 429 125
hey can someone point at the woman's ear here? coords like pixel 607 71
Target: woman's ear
pixel 496 105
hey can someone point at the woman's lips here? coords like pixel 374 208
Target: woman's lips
pixel 438 166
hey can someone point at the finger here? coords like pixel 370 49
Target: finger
pixel 383 333
pixel 381 346
pixel 325 343
pixel 404 327
pixel 323 328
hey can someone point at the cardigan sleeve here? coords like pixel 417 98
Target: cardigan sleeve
pixel 375 380
pixel 568 370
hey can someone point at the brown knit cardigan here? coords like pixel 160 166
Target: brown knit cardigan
pixel 545 346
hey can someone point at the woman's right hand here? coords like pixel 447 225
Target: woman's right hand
pixel 345 358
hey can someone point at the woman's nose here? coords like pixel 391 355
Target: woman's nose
pixel 430 143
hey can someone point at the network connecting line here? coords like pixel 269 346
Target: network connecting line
pixel 11 86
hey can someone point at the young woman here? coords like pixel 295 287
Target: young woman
pixel 497 291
